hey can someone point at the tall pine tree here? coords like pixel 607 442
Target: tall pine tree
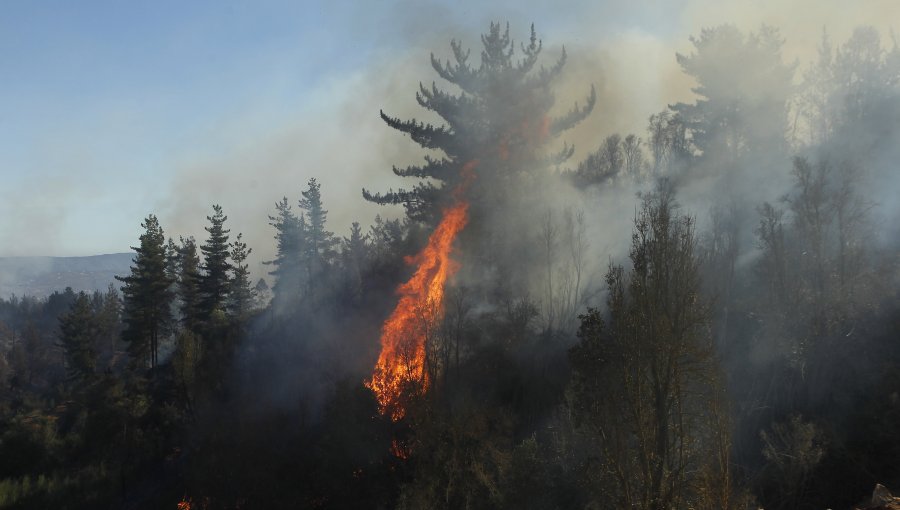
pixel 320 244
pixel 240 297
pixel 214 284
pixel 79 338
pixel 744 88
pixel 287 262
pixel 354 257
pixel 147 297
pixel 499 119
pixel 189 285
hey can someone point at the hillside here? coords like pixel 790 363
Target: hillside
pixel 40 276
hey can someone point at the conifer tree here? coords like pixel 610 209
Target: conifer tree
pixel 189 284
pixel 79 336
pixel 109 315
pixel 147 297
pixel 744 88
pixel 354 254
pixel 500 119
pixel 241 294
pixel 319 246
pixel 214 284
pixel 287 262
pixel 320 242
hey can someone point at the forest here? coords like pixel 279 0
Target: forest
pixel 702 315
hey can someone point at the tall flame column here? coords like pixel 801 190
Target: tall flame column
pixel 401 364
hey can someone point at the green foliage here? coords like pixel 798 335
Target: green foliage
pixel 214 283
pixel 744 88
pixel 265 408
pixel 147 297
pixel 641 382
pixel 79 338
pixel 289 242
pixel 319 248
pixel 240 296
pixel 188 284
pixel 499 119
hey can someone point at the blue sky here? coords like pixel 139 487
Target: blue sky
pixel 113 110
pixel 100 101
pixel 97 96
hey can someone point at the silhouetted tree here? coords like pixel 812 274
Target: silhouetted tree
pixel 214 283
pixel 320 244
pixel 500 119
pixel 288 265
pixel 354 257
pixel 79 338
pixel 109 317
pixel 645 380
pixel 188 285
pixel 240 297
pixel 147 297
pixel 744 89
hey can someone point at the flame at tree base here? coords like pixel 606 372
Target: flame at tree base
pixel 401 365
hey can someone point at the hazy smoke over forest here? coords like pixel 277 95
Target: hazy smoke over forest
pixel 340 138
pixel 630 256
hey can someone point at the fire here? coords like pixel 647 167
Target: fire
pixel 404 335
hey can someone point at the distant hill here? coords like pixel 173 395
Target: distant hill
pixel 40 276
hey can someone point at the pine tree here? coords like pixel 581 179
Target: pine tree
pixel 319 246
pixel 287 262
pixel 79 338
pixel 499 119
pixel 241 294
pixel 109 315
pixel 147 297
pixel 189 284
pixel 354 254
pixel 744 87
pixel 214 284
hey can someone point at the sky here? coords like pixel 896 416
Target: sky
pixel 110 111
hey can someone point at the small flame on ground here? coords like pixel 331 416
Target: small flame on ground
pixel 401 364
pixel 399 450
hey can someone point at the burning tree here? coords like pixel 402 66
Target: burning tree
pixel 494 130
pixel 500 118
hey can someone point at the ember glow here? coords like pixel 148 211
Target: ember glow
pixel 401 364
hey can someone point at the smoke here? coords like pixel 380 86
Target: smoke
pixel 333 132
pixel 336 136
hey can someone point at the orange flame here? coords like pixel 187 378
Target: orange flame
pixel 401 364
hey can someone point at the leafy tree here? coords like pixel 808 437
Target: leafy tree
pixel 499 119
pixel 147 296
pixel 850 97
pixel 866 78
pixel 668 142
pixel 616 158
pixel 214 283
pixel 644 382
